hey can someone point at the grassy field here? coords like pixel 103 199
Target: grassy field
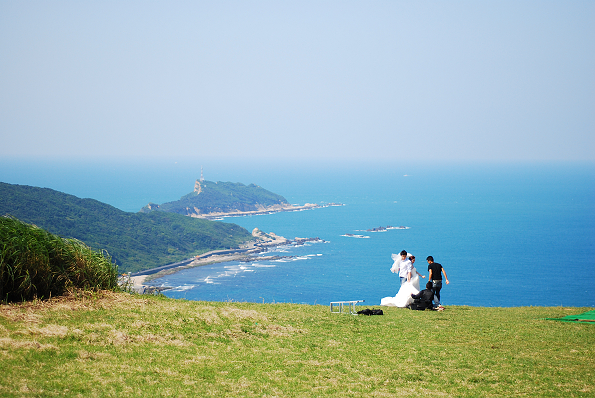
pixel 118 344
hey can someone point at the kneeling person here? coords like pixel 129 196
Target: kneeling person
pixel 423 299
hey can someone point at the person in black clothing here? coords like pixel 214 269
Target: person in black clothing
pixel 423 299
pixel 436 270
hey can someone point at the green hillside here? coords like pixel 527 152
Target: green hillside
pixel 122 345
pixel 220 197
pixel 37 264
pixel 136 241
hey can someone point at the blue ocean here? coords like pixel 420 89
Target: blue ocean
pixel 506 234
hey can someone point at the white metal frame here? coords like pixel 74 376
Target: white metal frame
pixel 341 305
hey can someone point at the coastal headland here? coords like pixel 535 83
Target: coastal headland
pixel 216 200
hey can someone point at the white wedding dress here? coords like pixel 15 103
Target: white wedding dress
pixel 403 297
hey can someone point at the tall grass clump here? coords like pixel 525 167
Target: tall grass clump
pixel 35 263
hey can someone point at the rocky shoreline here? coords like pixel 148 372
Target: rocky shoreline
pixel 262 210
pixel 138 282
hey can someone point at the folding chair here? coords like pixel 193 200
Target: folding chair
pixel 338 307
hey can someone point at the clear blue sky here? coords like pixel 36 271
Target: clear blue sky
pixel 333 80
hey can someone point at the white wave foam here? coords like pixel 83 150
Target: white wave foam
pixel 182 288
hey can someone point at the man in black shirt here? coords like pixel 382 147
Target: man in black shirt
pixel 436 270
pixel 423 299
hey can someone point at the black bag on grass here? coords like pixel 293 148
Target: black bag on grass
pixel 368 311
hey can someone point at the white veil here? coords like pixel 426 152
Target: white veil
pixel 397 262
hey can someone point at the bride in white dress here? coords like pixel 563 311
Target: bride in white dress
pixel 403 297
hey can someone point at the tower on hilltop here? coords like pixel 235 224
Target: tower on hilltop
pixel 201 177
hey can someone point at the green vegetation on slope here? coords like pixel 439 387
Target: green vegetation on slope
pixel 135 241
pixel 37 264
pixel 143 346
pixel 215 197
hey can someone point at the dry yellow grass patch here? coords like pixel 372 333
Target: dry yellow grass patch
pixel 46 331
pixel 30 315
pixel 238 313
pixel 19 313
pixel 280 331
pixel 73 300
pixel 8 343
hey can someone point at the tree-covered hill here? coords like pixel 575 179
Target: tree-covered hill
pixel 136 241
pixel 221 197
